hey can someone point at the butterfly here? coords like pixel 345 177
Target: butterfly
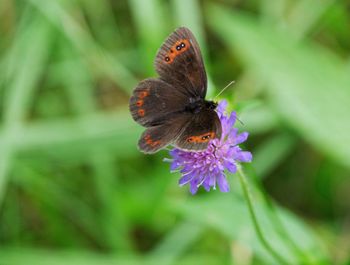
pixel 173 107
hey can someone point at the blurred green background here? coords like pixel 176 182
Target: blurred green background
pixel 74 189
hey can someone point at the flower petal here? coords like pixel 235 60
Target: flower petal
pixel 231 120
pixel 244 156
pixel 240 138
pixel 232 135
pixel 206 184
pixel 186 178
pixel 174 165
pixel 212 180
pixel 231 166
pixel 193 186
pixel 220 109
pixel 222 183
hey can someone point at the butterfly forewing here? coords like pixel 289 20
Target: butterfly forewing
pixel 179 62
pixel 154 101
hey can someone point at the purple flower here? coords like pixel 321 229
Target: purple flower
pixel 208 167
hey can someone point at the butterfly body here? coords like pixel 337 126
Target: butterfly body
pixel 173 107
pixel 197 104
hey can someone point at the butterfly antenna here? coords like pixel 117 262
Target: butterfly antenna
pixel 222 90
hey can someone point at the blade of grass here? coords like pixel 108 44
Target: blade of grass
pixel 113 219
pixel 228 215
pixel 49 194
pixel 12 256
pixel 176 243
pixel 273 12
pixel 257 118
pixel 272 152
pixel 28 72
pixel 6 158
pixel 99 14
pixel 116 130
pixel 301 21
pixel 20 89
pixel 188 13
pixel 78 83
pixel 148 16
pixel 101 61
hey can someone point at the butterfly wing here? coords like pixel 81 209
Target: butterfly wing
pixel 159 136
pixel 179 62
pixel 154 101
pixel 199 130
pixel 185 131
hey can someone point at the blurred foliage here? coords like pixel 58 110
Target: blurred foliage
pixel 75 190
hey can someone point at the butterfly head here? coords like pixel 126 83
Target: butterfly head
pixel 195 105
pixel 211 105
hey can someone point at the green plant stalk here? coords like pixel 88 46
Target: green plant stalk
pixel 258 230
pixel 274 217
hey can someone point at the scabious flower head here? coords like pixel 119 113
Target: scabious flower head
pixel 207 168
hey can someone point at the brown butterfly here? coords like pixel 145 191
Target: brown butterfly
pixel 173 107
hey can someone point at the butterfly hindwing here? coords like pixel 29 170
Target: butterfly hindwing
pixel 179 62
pixel 155 138
pixel 201 128
pixel 153 101
pixel 159 136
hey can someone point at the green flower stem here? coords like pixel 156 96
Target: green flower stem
pixel 248 198
pixel 278 224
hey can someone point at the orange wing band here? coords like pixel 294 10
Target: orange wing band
pixel 203 138
pixel 178 48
